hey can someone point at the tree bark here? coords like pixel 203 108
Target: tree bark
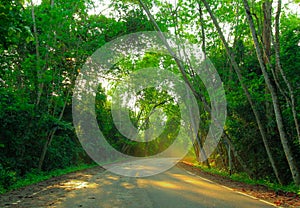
pixel 267 10
pixel 245 89
pixel 39 86
pixel 279 68
pixel 237 156
pixel 202 30
pixel 51 135
pixel 198 96
pixel 283 137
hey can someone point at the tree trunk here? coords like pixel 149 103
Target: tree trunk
pixel 245 89
pixel 279 68
pixel 202 30
pixel 283 137
pixel 227 140
pixel 202 152
pixel 39 85
pixel 199 96
pixel 51 135
pixel 267 10
pixel 45 148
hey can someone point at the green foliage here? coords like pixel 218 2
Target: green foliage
pixel 7 178
pixel 35 176
pixel 13 28
pixel 38 71
pixel 243 177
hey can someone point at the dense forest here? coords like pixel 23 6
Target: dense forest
pixel 253 45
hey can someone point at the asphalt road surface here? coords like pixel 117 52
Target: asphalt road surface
pixel 174 188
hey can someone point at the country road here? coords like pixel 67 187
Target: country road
pixel 97 188
pixel 173 188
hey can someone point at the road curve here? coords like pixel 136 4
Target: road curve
pixel 174 188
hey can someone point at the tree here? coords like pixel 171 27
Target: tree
pixel 245 89
pixel 275 100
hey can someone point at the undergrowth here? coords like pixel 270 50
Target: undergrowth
pixel 243 177
pixel 35 176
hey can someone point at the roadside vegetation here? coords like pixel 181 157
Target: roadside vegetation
pixel 34 177
pixel 243 177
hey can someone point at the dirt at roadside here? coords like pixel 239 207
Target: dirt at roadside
pixel 279 199
pixel 46 193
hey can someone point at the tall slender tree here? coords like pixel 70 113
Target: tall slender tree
pixel 246 91
pixel 275 100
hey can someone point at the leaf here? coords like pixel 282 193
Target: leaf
pixel 29 39
pixel 11 31
pixel 28 31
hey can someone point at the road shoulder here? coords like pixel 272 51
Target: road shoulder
pixel 257 191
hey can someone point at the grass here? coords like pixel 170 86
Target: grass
pixel 35 176
pixel 243 177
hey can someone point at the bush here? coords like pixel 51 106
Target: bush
pixel 7 178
